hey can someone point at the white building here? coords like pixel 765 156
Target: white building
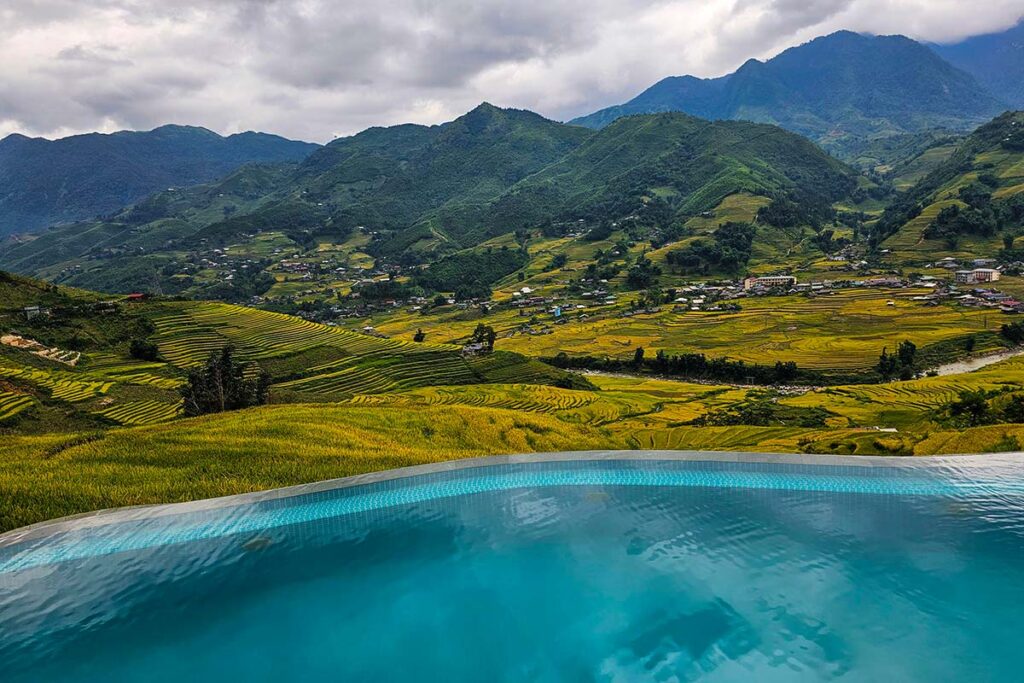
pixel 973 277
pixel 769 281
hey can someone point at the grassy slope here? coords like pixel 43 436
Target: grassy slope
pixel 307 361
pixel 41 477
pixel 981 152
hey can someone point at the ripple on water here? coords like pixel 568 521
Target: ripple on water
pixel 606 579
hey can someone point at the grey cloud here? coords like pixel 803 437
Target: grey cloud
pixel 104 55
pixel 318 68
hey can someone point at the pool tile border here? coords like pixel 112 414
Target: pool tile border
pixel 141 512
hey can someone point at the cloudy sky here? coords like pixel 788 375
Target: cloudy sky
pixel 316 69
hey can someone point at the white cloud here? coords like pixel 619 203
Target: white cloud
pixel 314 69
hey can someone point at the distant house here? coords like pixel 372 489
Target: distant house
pixel 972 277
pixel 768 282
pixel 136 296
pixel 33 312
pixel 474 349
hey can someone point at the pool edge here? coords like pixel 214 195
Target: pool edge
pixel 106 516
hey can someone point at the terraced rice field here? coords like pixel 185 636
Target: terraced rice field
pixel 61 385
pixel 126 371
pixel 584 407
pixel 364 364
pixel 846 330
pixel 140 412
pixel 12 404
pixel 912 404
pixel 189 332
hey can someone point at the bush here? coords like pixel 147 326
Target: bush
pixel 143 350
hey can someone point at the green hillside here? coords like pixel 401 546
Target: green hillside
pixel 970 205
pixel 83 176
pixel 129 251
pixel 690 163
pixel 396 178
pixel 68 364
pixel 420 192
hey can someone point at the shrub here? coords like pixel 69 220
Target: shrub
pixel 143 350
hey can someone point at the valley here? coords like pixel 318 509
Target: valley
pixel 508 283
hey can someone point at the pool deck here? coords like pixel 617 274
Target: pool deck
pixel 125 514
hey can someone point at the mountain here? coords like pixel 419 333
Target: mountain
pixel 967 205
pixel 841 85
pixel 689 163
pixel 44 182
pixel 394 178
pixel 421 192
pixel 996 60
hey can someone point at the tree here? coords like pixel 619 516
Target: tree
pixel 887 364
pixel 900 364
pixel 143 350
pixel 1013 333
pixel 484 334
pixel 221 384
pixel 419 336
pixel 906 352
pixel 638 356
pixel 971 409
pixel 1014 410
pixel 643 275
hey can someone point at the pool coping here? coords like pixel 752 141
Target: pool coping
pixel 103 517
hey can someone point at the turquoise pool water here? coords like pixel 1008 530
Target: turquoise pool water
pixel 552 571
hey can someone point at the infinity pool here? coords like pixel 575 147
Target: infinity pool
pixel 675 568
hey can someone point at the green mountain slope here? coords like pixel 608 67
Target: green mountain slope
pixel 996 60
pixel 43 182
pixel 840 85
pixel 980 186
pixel 392 178
pixel 421 192
pixel 689 163
pixel 126 252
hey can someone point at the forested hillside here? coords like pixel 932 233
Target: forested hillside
pixel 423 192
pixel 972 204
pixel 43 182
pixel 995 59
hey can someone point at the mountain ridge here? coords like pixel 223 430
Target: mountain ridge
pixel 996 60
pixel 46 182
pixel 421 192
pixel 842 84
